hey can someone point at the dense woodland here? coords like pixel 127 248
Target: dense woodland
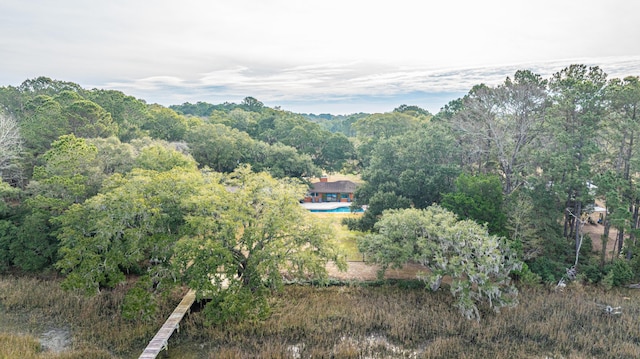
pixel 98 185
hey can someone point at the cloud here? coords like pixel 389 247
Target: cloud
pixel 334 82
pixel 296 52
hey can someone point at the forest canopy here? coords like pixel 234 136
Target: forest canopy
pixel 529 160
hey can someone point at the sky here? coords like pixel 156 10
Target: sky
pixel 311 56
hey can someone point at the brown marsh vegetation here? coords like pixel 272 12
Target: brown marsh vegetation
pixel 397 319
pixel 34 305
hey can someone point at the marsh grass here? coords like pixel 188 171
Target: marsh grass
pixel 96 325
pixel 27 347
pixel 18 346
pixel 383 319
pixel 389 321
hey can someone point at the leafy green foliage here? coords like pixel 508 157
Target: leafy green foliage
pixel 165 124
pixel 282 161
pixel 70 172
pixel 416 168
pixel 34 246
pixel 412 110
pixel 336 151
pixel 231 238
pixel 546 140
pixel 576 116
pixel 127 112
pixel 223 149
pixel 139 303
pixel 158 157
pixel 239 243
pixel 133 223
pixel 113 156
pixel 620 272
pixel 8 223
pixel 478 198
pixel 378 203
pixel 479 264
pixel 337 123
pixel 7 235
pixel 523 224
pixel 219 147
pixel 42 123
pixel 200 108
pixel 251 104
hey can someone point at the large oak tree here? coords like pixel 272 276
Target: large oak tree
pixel 478 263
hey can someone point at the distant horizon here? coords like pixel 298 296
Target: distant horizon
pixel 430 90
pixel 427 89
pixel 432 102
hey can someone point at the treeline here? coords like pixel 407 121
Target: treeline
pixel 528 158
pixel 62 144
pixel 98 185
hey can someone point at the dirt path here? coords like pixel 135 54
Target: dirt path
pixel 363 271
pixel 595 231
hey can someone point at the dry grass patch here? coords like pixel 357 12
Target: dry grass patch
pixel 399 319
pixel 405 320
pixel 95 322
pixel 18 346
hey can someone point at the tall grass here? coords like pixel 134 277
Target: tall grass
pixel 27 347
pixel 18 346
pixel 393 320
pixel 96 324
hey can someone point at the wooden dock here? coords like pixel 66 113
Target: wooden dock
pixel 161 340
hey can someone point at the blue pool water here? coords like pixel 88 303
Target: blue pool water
pixel 335 210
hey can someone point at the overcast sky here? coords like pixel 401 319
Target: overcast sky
pixel 321 56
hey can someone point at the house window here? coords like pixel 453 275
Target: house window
pixel 332 197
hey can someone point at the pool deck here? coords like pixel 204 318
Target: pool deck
pixel 325 206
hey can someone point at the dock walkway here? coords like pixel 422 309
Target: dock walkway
pixel 161 339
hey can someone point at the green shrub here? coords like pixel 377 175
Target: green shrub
pixel 586 248
pixel 526 277
pixel 139 303
pixel 592 273
pixel 621 272
pixel 607 281
pixel 549 270
pixel 7 233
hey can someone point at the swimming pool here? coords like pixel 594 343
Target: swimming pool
pixel 336 210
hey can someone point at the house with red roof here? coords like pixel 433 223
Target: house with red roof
pixel 325 191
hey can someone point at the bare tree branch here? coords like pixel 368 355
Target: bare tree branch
pixel 10 142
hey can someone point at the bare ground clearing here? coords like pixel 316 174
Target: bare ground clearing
pixel 595 231
pixel 364 271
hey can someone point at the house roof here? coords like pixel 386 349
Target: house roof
pixel 333 187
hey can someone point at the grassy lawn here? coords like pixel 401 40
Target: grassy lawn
pixel 346 239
